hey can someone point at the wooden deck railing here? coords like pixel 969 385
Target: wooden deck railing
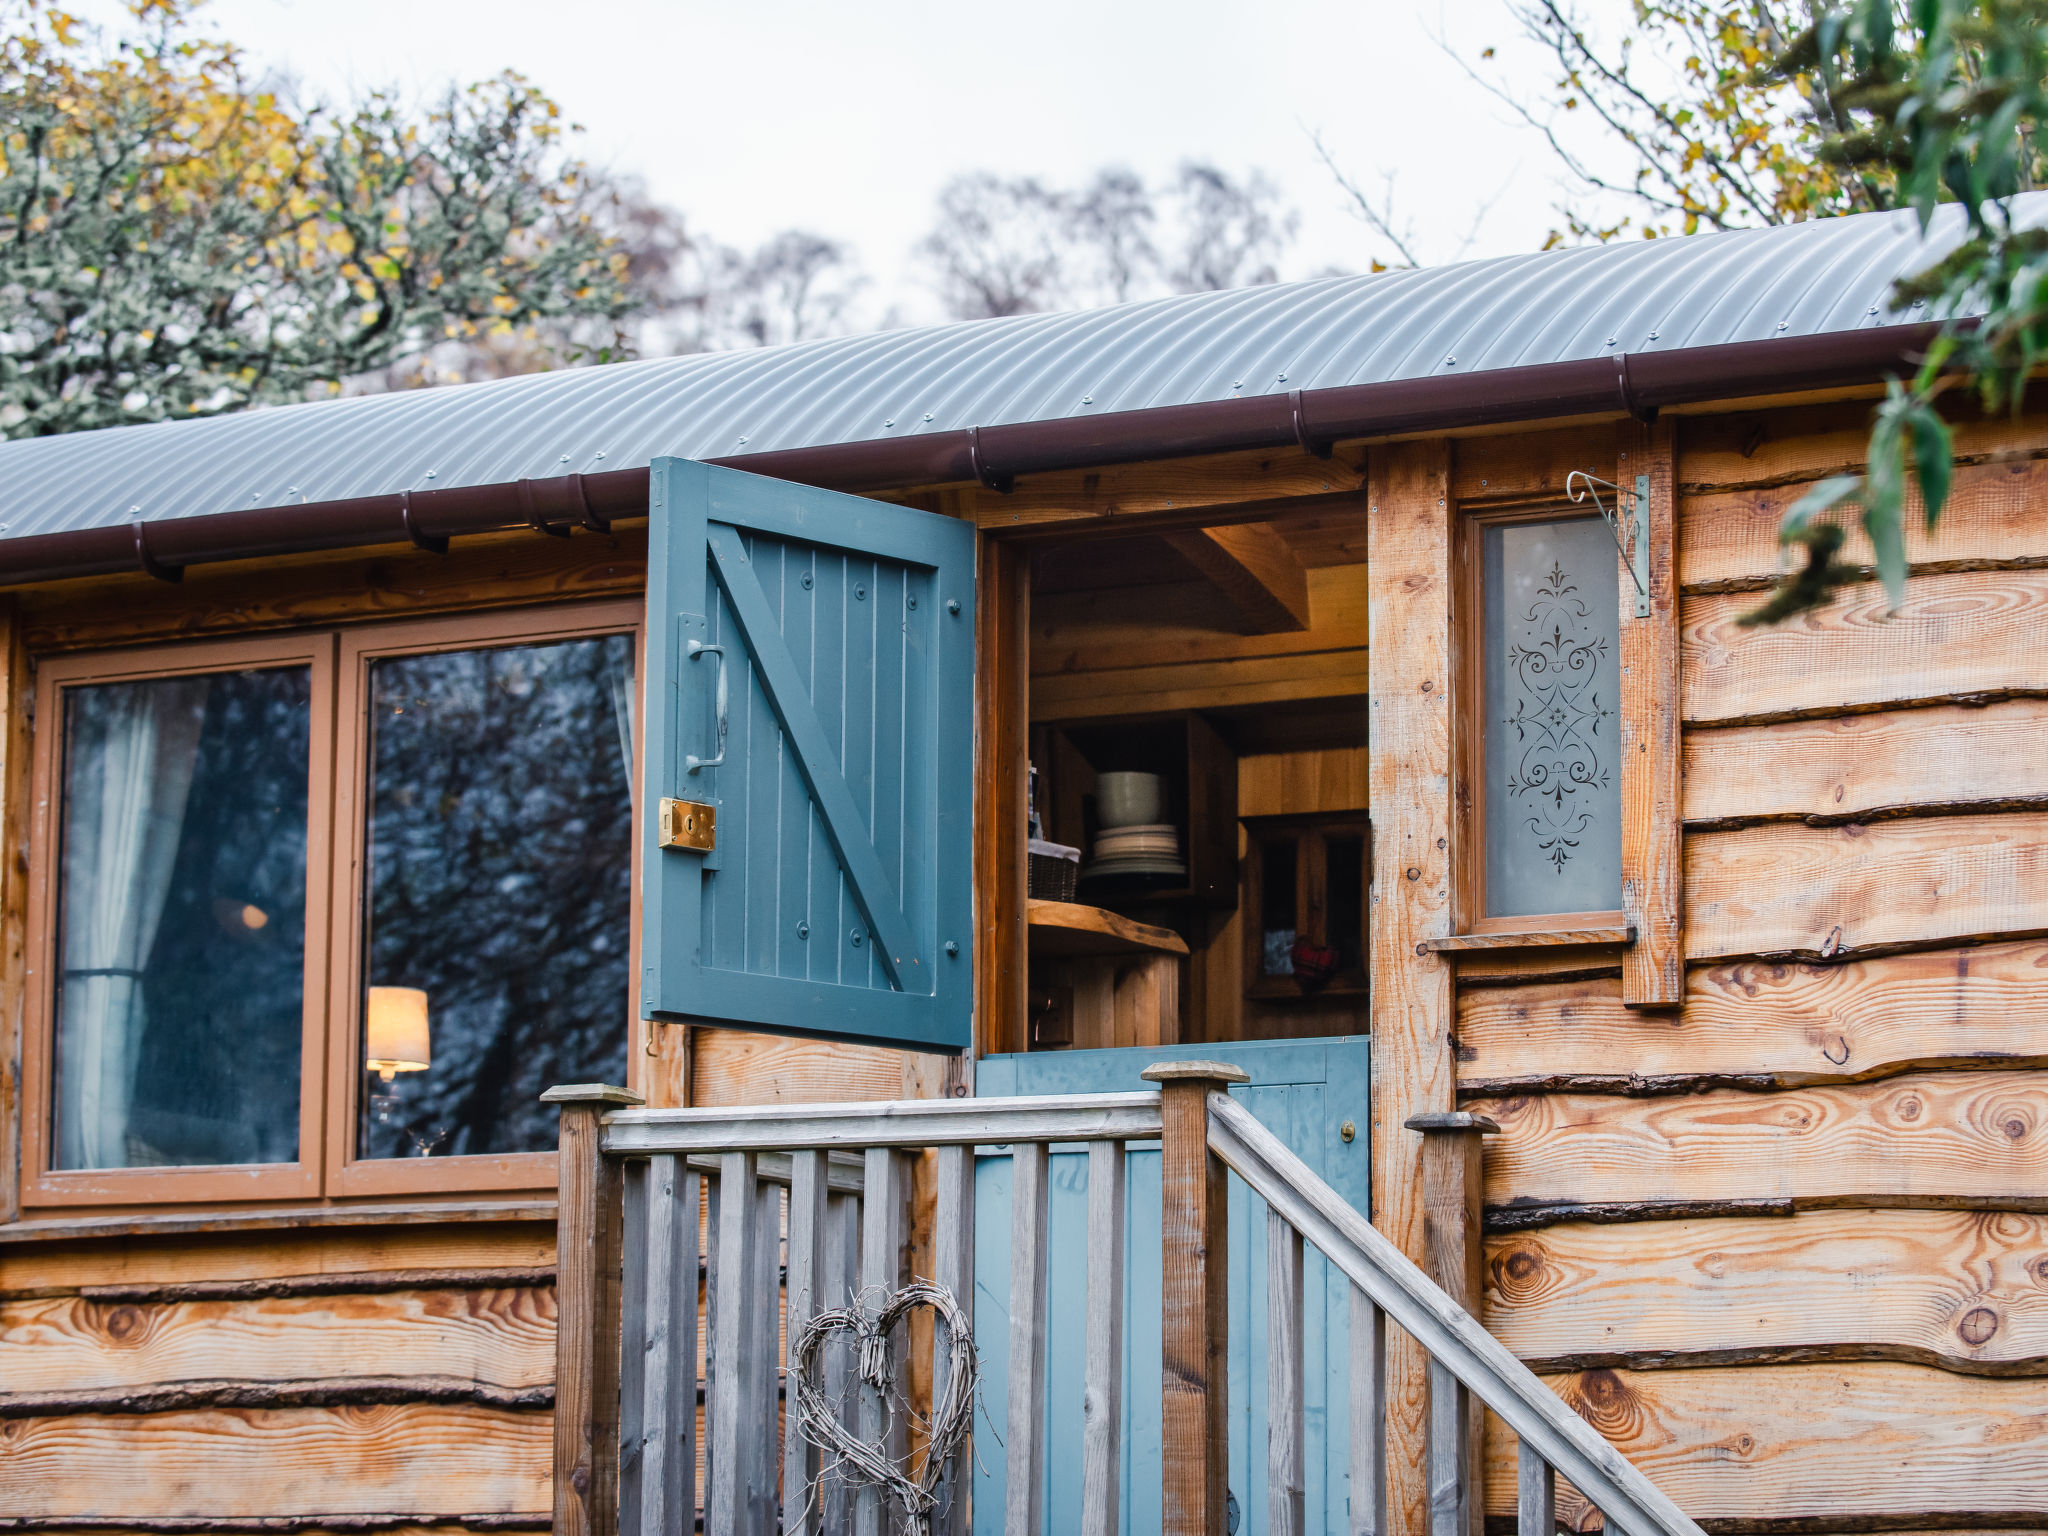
pixel 656 1201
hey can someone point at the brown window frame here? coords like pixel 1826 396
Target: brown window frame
pixel 330 1079
pixel 1468 884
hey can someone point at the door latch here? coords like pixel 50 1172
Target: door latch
pixel 688 824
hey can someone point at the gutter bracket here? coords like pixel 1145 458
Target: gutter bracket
pixel 1002 485
pixel 1309 445
pixel 1634 511
pixel 588 518
pixel 425 541
pixel 149 562
pixel 534 519
pixel 1628 394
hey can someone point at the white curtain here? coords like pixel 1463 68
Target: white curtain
pixel 620 676
pixel 128 755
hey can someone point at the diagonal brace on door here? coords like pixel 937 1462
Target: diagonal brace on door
pixel 812 749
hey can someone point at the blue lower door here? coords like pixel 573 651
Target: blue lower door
pixel 1306 1092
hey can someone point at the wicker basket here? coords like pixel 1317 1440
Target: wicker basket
pixel 1054 867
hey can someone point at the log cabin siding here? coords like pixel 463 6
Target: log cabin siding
pixel 1786 1244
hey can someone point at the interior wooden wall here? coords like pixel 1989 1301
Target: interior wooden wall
pixel 1788 1245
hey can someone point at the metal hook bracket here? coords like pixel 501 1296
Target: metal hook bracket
pixel 1634 510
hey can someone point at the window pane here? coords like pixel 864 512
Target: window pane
pixel 182 920
pixel 1553 787
pixel 499 891
pixel 1346 885
pixel 1277 917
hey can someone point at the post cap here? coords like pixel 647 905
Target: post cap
pixel 1207 1071
pixel 589 1093
pixel 1452 1120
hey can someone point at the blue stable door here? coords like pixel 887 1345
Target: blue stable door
pixel 1305 1092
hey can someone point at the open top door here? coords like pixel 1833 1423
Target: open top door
pixel 809 762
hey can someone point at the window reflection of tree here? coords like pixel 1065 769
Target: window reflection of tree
pixel 499 882
pixel 218 1070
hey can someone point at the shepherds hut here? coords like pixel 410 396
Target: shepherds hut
pixel 1336 693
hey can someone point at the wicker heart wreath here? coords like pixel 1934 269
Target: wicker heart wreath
pixel 868 1323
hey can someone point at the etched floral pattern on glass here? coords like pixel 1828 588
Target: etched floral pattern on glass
pixel 1553 792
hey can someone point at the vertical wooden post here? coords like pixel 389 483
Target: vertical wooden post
pixel 1368 1405
pixel 17 690
pixel 953 1268
pixel 1286 1427
pixel 806 1292
pixel 1535 1493
pixel 588 1218
pixel 1002 749
pixel 1452 1189
pixel 1194 1408
pixel 1409 526
pixel 885 1230
pixel 1102 1386
pixel 1652 872
pixel 1024 1416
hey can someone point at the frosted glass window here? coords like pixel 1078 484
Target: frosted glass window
pixel 1553 778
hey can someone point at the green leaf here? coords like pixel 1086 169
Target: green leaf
pixel 1824 497
pixel 1884 493
pixel 1933 460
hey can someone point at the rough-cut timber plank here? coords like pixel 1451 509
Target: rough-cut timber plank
pixel 1532 938
pixel 1818 892
pixel 1198 685
pixel 1254 570
pixel 1105 496
pixel 485 571
pixel 17 690
pixel 1993 518
pixel 731 1066
pixel 1652 866
pixel 230 1392
pixel 1777 446
pixel 1762 1025
pixel 1280 782
pixel 1068 928
pixel 284 1525
pixel 1973 634
pixel 1523 466
pixel 1930 1140
pixel 502 1337
pixel 1002 750
pixel 421 1459
pixel 1853 1445
pixel 1410 712
pixel 271 1219
pixel 1967 1290
pixel 236 1257
pixel 1870 767
pixel 1099 629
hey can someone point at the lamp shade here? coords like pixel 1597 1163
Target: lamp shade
pixel 396 1035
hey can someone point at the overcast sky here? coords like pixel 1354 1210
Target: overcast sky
pixel 846 117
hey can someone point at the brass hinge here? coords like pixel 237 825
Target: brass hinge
pixel 688 824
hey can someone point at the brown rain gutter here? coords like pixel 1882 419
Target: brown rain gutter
pixel 1636 385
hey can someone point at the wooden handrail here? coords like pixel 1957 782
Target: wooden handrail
pixel 891 1123
pixel 1454 1338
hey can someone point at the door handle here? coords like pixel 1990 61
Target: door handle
pixel 691 762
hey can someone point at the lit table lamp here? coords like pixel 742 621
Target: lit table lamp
pixel 397 1032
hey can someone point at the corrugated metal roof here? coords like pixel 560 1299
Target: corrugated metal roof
pixel 1582 303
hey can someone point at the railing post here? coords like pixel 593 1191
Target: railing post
pixel 1194 1334
pixel 588 1218
pixel 1452 1192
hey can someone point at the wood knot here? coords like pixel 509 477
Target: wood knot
pixel 122 1323
pixel 2016 1128
pixel 1608 1403
pixel 1909 1108
pixel 1520 1273
pixel 1977 1326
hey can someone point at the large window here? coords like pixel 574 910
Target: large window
pixel 379 882
pixel 1543 769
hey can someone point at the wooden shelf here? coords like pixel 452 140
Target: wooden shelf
pixel 1539 938
pixel 1067 928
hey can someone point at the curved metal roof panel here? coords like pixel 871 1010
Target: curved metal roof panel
pixel 1477 317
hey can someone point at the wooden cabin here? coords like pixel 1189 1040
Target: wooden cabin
pixel 1346 682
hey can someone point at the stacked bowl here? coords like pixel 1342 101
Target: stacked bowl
pixel 1133 839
